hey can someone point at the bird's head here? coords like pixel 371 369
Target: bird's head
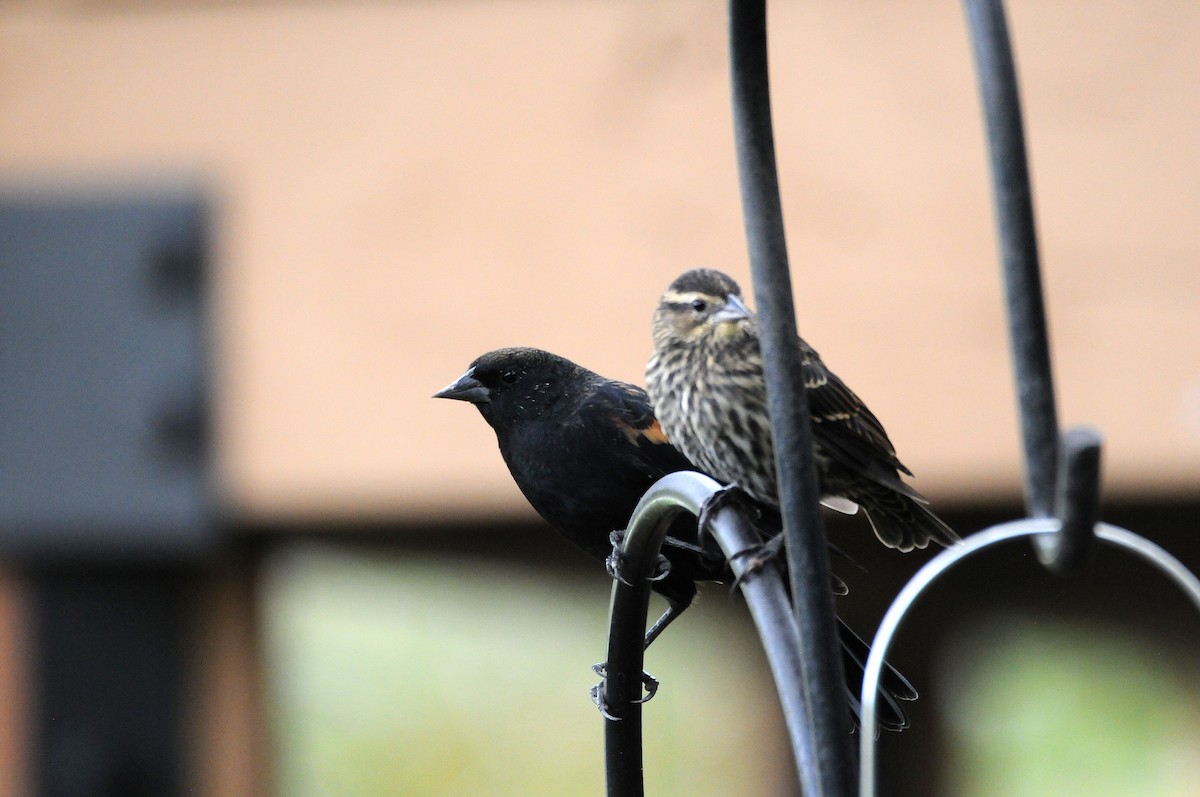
pixel 510 385
pixel 702 305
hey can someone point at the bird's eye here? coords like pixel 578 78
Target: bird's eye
pixel 509 376
pixel 699 305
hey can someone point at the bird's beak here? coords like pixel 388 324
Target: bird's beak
pixel 467 388
pixel 734 310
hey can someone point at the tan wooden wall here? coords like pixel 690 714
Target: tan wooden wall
pixel 401 186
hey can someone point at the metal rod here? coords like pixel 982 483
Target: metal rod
pixel 828 726
pixel 1076 503
pixel 1018 250
pixel 621 690
pixel 936 567
pixel 775 620
pixel 765 596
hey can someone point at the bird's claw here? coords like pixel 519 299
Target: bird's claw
pixel 615 563
pixel 758 556
pixel 649 683
pixel 598 698
pixel 662 568
pixel 729 496
pixel 762 555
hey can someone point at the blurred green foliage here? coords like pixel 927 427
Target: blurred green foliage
pixel 1054 709
pixel 395 676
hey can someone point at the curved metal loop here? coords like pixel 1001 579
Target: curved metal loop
pixel 621 690
pixel 765 597
pixel 936 567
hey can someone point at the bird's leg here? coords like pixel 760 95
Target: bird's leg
pixel 675 542
pixel 761 555
pixel 662 622
pixel 710 552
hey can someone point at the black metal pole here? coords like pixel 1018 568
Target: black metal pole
pixel 1018 251
pixel 621 691
pixel 831 772
pixel 774 617
pixel 106 476
pixel 1062 478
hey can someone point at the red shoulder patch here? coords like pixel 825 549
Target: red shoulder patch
pixel 655 434
pixel 652 433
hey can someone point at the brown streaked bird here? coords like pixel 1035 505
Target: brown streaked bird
pixel 583 450
pixel 706 381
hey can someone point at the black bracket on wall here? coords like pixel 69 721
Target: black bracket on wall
pixel 103 362
pixel 106 504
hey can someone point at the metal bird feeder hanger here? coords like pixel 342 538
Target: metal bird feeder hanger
pixel 620 692
pixel 1061 474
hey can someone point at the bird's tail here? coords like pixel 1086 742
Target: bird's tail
pixel 893 687
pixel 901 521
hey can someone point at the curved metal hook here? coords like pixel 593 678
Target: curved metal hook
pixel 934 568
pixel 1061 475
pixel 765 597
pixel 621 689
pixel 1076 502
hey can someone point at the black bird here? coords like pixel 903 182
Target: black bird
pixel 583 449
pixel 706 382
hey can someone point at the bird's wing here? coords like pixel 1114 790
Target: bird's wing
pixel 629 408
pixel 847 430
